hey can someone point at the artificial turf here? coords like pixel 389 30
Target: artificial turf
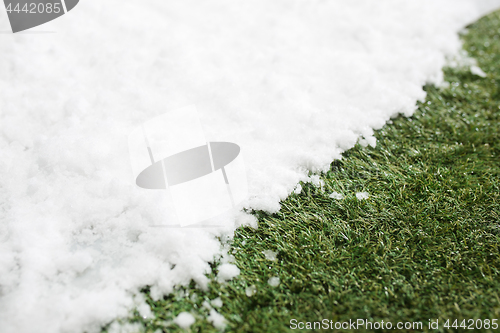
pixel 424 245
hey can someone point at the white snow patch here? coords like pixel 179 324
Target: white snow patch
pixel 274 281
pixel 206 305
pixel 227 272
pixel 315 180
pixel 298 189
pixel 145 311
pixel 216 303
pixel 270 254
pixel 184 320
pixel 368 141
pixel 251 290
pixel 142 307
pixel 336 195
pixel 362 195
pixel 116 327
pixel 217 319
pixel 293 85
pixel 462 59
pixel 476 70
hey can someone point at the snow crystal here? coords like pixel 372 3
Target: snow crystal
pixel 336 195
pixel 184 320
pixel 227 272
pixel 251 290
pixel 217 303
pixel 217 319
pixel 293 86
pixel 270 254
pixel 274 281
pixel 362 195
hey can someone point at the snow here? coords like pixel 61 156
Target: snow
pixel 206 305
pixel 125 328
pixel 274 281
pixel 369 141
pixel 316 181
pixel 251 290
pixel 217 319
pixel 336 195
pixel 476 70
pixel 142 307
pixel 216 303
pixel 294 84
pixel 184 320
pixel 362 195
pixel 227 272
pixel 270 254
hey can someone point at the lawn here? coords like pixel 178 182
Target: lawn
pixel 424 244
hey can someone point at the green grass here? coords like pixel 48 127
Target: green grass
pixel 424 245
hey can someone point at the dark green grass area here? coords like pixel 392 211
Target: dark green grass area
pixel 424 245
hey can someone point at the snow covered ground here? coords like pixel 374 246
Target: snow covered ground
pixel 293 82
